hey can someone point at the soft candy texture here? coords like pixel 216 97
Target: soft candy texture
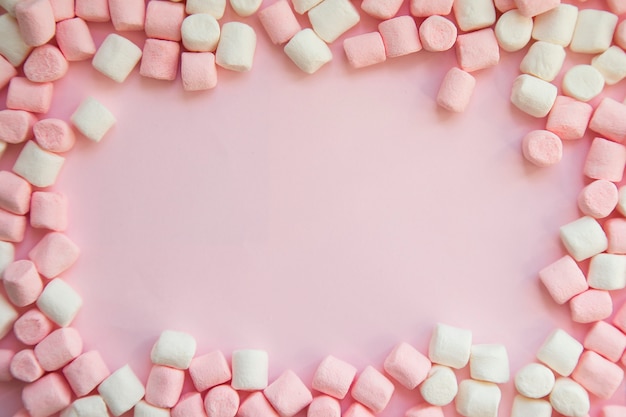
pixel 54 254
pixel 54 135
pixel 12 226
pixel 569 398
pixel 598 199
pixel 175 349
pixel 591 306
pixel 12 47
pixel 6 355
pixel 48 210
pixel 583 238
pixel 381 9
pixel 36 21
pixel 400 36
pixel 27 95
pixel 74 39
pixel 164 20
pixel 144 409
pixel 25 367
pixel 198 71
pixel 160 59
pixel 8 315
pixel 121 391
pixel 279 22
pixel 288 394
pixel 59 302
pixel 456 90
pixel 407 365
pixel 606 340
pixel 93 119
pixel 358 410
pixel 542 148
pixel 605 160
pixel 7 71
pixel 478 399
pixel 425 8
pixel 609 120
pixel 59 348
pixel 324 406
pixel 598 375
pixel 16 126
pixel 116 57
pixel 372 389
pixel 543 60
pixel 474 14
pixel 440 387
pixel 533 96
pixel 607 271
pixel 92 406
pixel 303 6
pixel 616 6
pixel 236 48
pixel 256 405
pixel 308 51
pixel 513 30
pixel 190 405
pixel 62 9
pixel 209 370
pixel 46 63
pixel 164 386
pixel 450 346
pixel 250 369
pixel 127 14
pixel 560 352
pixel 534 380
pixel 332 18
pixel 7 255
pixel 527 407
pixel 86 372
pixel 32 327
pixel 489 363
pixel 365 49
pixel 611 64
pixel 532 8
pixel 477 50
pixel 616 234
pixel 222 401
pixel 569 118
pixel 620 35
pixel 14 193
pixel 594 31
pixel 93 10
pixel 437 33
pixel 22 283
pixel 215 8
pixel 333 377
pixel 46 396
pixel 38 166
pixel 583 82
pixel 200 32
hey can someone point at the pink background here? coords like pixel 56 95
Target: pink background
pixel 339 213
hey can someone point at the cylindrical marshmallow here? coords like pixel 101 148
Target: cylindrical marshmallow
pixel 144 409
pixel 27 95
pixel 74 39
pixel 54 135
pixel 594 30
pixel 477 50
pixel 164 386
pixel 38 166
pixel 381 9
pixel 425 8
pixel 605 160
pixel 450 346
pixel 93 119
pixel 333 377
pixel 533 95
pixel 93 10
pixel 48 210
pixel 583 82
pixel 46 63
pixel 121 391
pixel 209 370
pixel 46 396
pixel 16 126
pixel 534 380
pixel 598 200
pixel 14 193
pixel 365 49
pixel 160 59
pixel 611 64
pixel 215 8
pixel 59 348
pixel 8 315
pixel 63 9
pixel 543 60
pixel 513 30
pixel 59 302
pixel 12 47
pixel 22 283
pixel 200 32
pixel 523 407
pixel 569 398
pixel 198 71
pixel 190 405
pixel 372 389
pixel 245 8
pixel 308 51
pixel 32 327
pixel 7 255
pixel 279 22
pixel 222 401
pixel 532 8
pixel 557 25
pixel 583 238
pixel 474 14
pixel 440 387
pixel 25 367
pixel 569 118
pixel 542 148
pixel 12 226
pixel 54 254
pixel 36 21
pixel 116 57
pixel 456 90
pixel 236 47
pixel 127 14
pixel 437 33
pixel 609 120
pixel 560 352
pixel 606 340
pixel 250 369
pixel 407 365
pixel 164 20
pixel 86 372
pixel 591 306
pixel 489 363
pixel 324 406
pixel 92 406
pixel 332 18
pixel 173 348
pixel 478 399
pixel 400 36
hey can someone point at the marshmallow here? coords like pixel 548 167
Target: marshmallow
pixel 190 405
pixel 164 386
pixel 333 377
pixel 358 410
pixel 36 21
pixel 14 193
pixel 215 8
pixel 607 271
pixel 279 22
pixel 32 327
pixel 7 255
pixel 250 369
pixel 59 302
pixel 62 9
pixel 12 226
pixel 93 10
pixel 235 50
pixel 372 389
pixel 46 63
pixel 532 8
pixel 12 47
pixel 59 348
pixel 54 254
pixel 365 49
pixel 324 406
pixel 46 396
pixel 86 372
pixel 569 118
pixel 456 90
pixel 533 96
pixel 143 409
pixel 400 36
pixel 209 370
pixel 605 160
pixel 6 356
pixel 598 375
pixel 583 82
pixel 606 340
pixel 116 57
pixel 407 365
pixel 613 411
pixel 92 119
pixel 616 234
pixel 437 33
pixel 92 406
pixel 450 346
pixel 256 405
pixel 543 60
pixel 287 394
pixel 620 35
pixel 611 64
pixel 474 14
pixel 332 18
pixel 527 407
pixel 7 71
pixel 22 283
pixel 620 318
pixel 513 30
pixel 594 31
pixel 569 398
pixel 591 306
pixel 583 238
pixel 245 8
pixel 74 39
pixel 381 9
pixel 48 210
pixel 616 6
pixel 425 8
pixel 27 95
pixel 164 20
pixel 16 126
pixel 609 119
pixel 424 410
pixel 478 399
pixel 560 352
pixel 54 135
pixel 8 315
pixel 9 6
pixel 477 50
pixel 121 390
pixel 160 59
pixel 534 380
pixel 308 51
pixel 303 6
pixel 175 349
pixel 489 363
pixel 127 15
pixel 198 71
pixel 222 401
pixel 542 148
pixel 200 32
pixel 25 367
pixel 598 199
pixel 440 387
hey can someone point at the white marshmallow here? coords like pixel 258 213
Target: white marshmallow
pixel 92 406
pixel 607 272
pixel 9 6
pixel 200 32
pixel 440 387
pixel 594 31
pixel 569 398
pixel 560 352
pixel 303 6
pixel 8 315
pixel 533 95
pixel 143 409
pixel 528 407
pixel 478 399
pixel 93 119
pixel 582 82
pixel 250 369
pixel 174 349
pixel 7 255
pixel 474 14
pixel 332 18
pixel 215 8
pixel 122 390
pixel 584 238
pixel 534 380
pixel 12 47
pixel 557 25
pixel 308 51
pixel 116 57
pixel 59 302
pixel 245 8
pixel 611 64
pixel 38 166
pixel 489 363
pixel 543 60
pixel 450 346
pixel 513 30
pixel 235 50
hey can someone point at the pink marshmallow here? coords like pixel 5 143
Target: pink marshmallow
pixel 620 34
pixel 372 389
pixel 12 226
pixel 222 401
pixel 62 9
pixel 74 39
pixel 505 5
pixel 333 377
pixel 160 58
pixel 25 367
pixel 164 386
pixel 424 410
pixel 400 36
pixel 46 396
pixel 32 327
pixel 563 279
pixel 598 375
pixel 569 118
pixel 532 8
pixel 22 283
pixel 256 405
pixel 127 15
pixel 54 135
pixel 93 10
pixel 591 305
pixel 36 21
pixel 477 50
pixel 7 71
pixel 605 160
pixel 48 210
pixel 27 95
pixel 425 8
pixel 86 372
pixel 198 71
pixel 6 356
pixel 617 6
pixel 209 370
pixel 54 254
pixel 620 318
pixel 164 20
pixel 324 406
pixel 357 410
pixel 364 50
pixel 381 9
pixel 288 394
pixel 45 63
pixel 14 193
pixel 407 365
pixel 59 348
pixel 542 148
pixel 615 230
pixel 609 120
pixel 16 126
pixel 437 34
pixel 598 199
pixel 606 340
pixel 279 22
pixel 190 405
pixel 456 90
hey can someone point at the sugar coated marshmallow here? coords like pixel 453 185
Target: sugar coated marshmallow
pixel 333 377
pixel 407 365
pixel 560 352
pixel 46 396
pixel 609 120
pixel 543 60
pixel 490 363
pixel 175 349
pixel 121 391
pixel 223 401
pixel 45 63
pixel 474 14
pixel 164 386
pixel 478 399
pixel 209 370
pixel 16 126
pixel 308 51
pixel 513 30
pixel 59 302
pixel 86 372
pixel 372 389
pixel 450 346
pixel 557 25
pixel 440 387
pixel 542 148
pixel 288 394
pixel 605 160
pixel 400 36
pixel 93 119
pixel 54 135
pixel 437 33
pixel 32 327
pixel 569 398
pixel 583 82
pixel 200 32
pixel 593 32
pixel 598 199
pixel 533 95
pixel 606 340
pixel 607 271
pixel 279 22
pixel 250 369
pixel 38 166
pixel 332 18
pixel 235 50
pixel 526 407
pixel 583 238
pixel 534 380
pixel 116 57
